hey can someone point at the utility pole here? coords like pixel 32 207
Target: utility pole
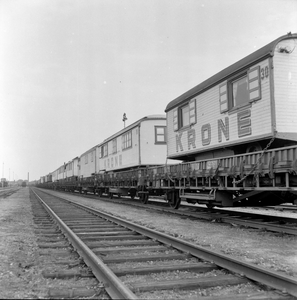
pixel 124 119
pixel 2 179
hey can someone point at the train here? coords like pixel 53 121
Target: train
pixel 229 141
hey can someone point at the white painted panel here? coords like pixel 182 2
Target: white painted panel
pixel 151 153
pixel 144 150
pixel 123 158
pixel 87 167
pixel 253 74
pixel 75 167
pixel 285 70
pixel 223 97
pixel 254 94
pixel 253 84
pixel 208 114
pixel 223 89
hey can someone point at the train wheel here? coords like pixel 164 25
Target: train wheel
pixel 132 194
pixel 144 198
pixel 254 147
pixel 175 200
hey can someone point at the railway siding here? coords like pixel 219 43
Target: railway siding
pixel 190 282
pixel 34 278
pixel 274 251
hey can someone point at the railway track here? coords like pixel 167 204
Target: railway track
pixel 283 207
pixel 66 274
pixel 6 192
pixel 133 262
pixel 279 224
pixel 271 223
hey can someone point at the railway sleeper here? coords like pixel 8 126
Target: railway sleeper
pixel 252 296
pixel 197 268
pixel 191 283
pixel 71 293
pixel 64 274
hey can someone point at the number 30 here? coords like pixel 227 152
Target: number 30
pixel 264 72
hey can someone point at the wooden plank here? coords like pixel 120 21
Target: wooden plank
pixel 106 233
pixel 95 237
pixel 123 249
pixel 252 296
pixel 191 283
pixel 98 229
pixel 198 268
pixel 116 259
pixel 96 244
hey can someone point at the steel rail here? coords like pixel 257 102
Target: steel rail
pixel 253 272
pixel 231 217
pixel 239 218
pixel 114 287
pixel 259 225
pixel 282 207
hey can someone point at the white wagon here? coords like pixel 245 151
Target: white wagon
pixel 240 109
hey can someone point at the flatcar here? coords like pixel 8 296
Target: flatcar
pixel 230 140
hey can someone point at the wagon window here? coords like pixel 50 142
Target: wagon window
pixel 185 116
pixel 114 146
pixel 240 92
pixel 127 140
pixel 160 134
pixel 103 151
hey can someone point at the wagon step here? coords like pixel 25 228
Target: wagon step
pixel 214 195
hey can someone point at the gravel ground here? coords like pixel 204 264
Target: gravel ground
pixel 20 276
pixel 21 260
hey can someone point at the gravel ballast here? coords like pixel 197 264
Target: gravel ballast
pixel 20 275
pixel 275 251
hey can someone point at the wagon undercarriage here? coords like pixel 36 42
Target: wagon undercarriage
pixel 250 179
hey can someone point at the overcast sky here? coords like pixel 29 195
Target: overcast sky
pixel 69 69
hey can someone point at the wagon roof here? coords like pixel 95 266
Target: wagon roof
pixel 89 150
pixel 146 118
pixel 267 50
